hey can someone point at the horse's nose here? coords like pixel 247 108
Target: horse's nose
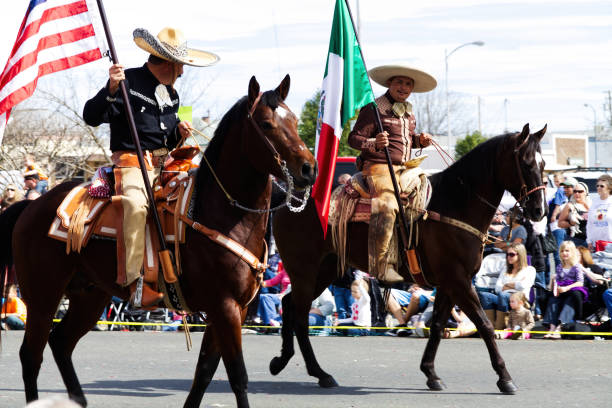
pixel 308 172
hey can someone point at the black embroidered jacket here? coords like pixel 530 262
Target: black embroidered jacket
pixel 157 127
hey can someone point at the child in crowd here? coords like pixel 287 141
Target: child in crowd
pixel 361 316
pixel 14 311
pixel 520 319
pixel 465 327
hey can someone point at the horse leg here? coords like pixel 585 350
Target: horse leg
pixel 84 310
pixel 208 361
pixel 227 326
pixel 441 313
pixel 31 352
pixel 302 306
pixel 277 364
pixel 472 308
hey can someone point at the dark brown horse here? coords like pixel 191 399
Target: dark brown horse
pixel 244 152
pixel 470 191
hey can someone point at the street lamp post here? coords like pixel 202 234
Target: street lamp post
pixel 446 56
pixel 586 105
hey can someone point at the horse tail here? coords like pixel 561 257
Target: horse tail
pixel 8 219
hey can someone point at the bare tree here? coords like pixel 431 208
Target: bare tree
pixel 430 111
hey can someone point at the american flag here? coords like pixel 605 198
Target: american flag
pixel 54 35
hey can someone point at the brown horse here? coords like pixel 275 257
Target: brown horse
pixel 256 137
pixel 470 191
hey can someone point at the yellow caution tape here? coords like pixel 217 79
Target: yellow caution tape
pixel 339 327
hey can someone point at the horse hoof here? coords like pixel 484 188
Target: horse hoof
pixel 277 364
pixel 507 387
pixel 328 382
pixel 436 385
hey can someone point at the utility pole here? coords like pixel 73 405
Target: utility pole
pixel 608 107
pixel 505 115
pixel 479 122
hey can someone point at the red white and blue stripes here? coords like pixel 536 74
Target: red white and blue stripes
pixel 54 35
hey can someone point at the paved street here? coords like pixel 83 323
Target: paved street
pixel 148 369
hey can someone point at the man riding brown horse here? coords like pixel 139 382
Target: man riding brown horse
pixel 399 136
pixel 155 105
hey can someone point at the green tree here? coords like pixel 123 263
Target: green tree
pixel 307 127
pixel 470 141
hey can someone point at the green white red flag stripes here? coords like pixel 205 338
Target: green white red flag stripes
pixel 346 89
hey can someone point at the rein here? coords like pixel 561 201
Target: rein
pixel 281 163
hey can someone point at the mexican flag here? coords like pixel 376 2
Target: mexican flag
pixel 346 89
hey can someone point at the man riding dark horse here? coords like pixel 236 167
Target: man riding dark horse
pixel 155 105
pixel 399 136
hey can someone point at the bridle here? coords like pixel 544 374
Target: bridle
pixel 524 193
pixel 281 163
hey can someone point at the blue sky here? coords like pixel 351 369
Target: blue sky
pixel 548 58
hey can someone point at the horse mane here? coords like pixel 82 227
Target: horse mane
pixel 472 169
pixel 213 151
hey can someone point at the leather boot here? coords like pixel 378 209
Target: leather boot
pixel 379 237
pixel 500 320
pixel 149 296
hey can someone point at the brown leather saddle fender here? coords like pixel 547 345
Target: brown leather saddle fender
pixel 103 217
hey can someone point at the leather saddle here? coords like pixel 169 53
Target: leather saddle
pixel 85 213
pixel 352 202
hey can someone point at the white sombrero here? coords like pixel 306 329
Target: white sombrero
pixel 170 44
pixel 423 82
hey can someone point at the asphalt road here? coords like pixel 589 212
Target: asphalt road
pixel 152 369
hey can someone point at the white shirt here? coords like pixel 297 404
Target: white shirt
pixel 361 314
pixel 490 269
pixel 523 280
pixel 599 221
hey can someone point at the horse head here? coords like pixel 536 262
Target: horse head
pixel 524 170
pixel 278 142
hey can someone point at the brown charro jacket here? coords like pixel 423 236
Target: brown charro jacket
pixel 402 136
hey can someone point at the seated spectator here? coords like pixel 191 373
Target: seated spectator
pixel 10 195
pixel 14 313
pixel 322 307
pixel 497 224
pixel 573 217
pixel 599 223
pixel 31 181
pixel 31 168
pixel 361 315
pixel 269 303
pixel 565 188
pixel 465 327
pixel 569 278
pixel 535 251
pixel 520 319
pixel 404 304
pixel 485 280
pixel 595 284
pixel 516 235
pixel 518 276
pixel 341 289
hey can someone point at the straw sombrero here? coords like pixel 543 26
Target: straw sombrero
pixel 423 82
pixel 171 45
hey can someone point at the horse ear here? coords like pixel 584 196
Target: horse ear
pixel 283 88
pixel 523 135
pixel 540 133
pixel 253 90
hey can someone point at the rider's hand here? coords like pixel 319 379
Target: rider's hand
pixel 382 140
pixel 116 75
pixel 425 139
pixel 184 128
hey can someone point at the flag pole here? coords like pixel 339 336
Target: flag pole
pixel 164 253
pixel 403 223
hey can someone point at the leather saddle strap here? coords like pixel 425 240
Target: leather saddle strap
pixel 228 243
pixel 432 215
